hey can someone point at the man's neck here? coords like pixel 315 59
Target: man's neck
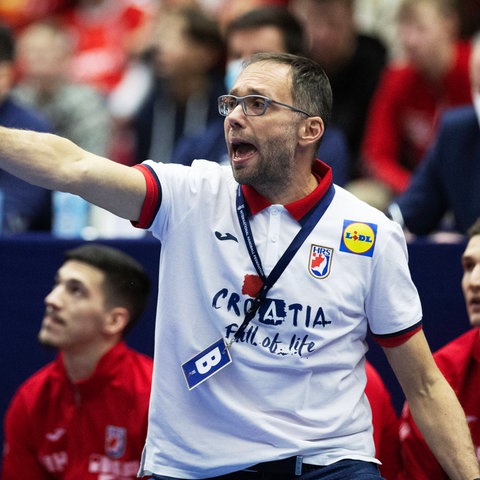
pixel 283 196
pixel 80 364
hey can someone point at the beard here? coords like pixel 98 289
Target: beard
pixel 274 167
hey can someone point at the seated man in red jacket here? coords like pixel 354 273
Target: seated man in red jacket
pixel 431 76
pixel 84 415
pixel 459 361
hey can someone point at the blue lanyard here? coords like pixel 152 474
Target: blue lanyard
pixel 312 219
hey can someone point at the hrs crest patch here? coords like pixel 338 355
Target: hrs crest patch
pixel 320 261
pixel 115 441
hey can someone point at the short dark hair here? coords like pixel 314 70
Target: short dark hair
pixel 126 282
pixel 474 230
pixel 271 16
pixel 311 90
pixel 7 44
pixel 201 28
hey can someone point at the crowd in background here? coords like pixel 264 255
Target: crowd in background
pixel 137 79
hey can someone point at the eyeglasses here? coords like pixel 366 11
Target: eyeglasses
pixel 252 105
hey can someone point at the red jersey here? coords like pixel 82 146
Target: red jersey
pixel 94 429
pixel 404 116
pixel 459 361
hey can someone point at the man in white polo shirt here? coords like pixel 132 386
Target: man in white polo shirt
pixel 271 278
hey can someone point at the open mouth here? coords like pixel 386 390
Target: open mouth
pixel 243 150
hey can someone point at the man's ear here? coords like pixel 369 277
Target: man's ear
pixel 116 320
pixel 311 131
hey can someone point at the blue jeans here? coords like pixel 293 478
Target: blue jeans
pixel 342 470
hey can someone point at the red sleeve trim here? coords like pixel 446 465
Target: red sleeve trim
pixel 153 197
pixel 396 339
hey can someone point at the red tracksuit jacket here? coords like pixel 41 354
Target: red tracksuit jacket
pixel 459 361
pixel 91 430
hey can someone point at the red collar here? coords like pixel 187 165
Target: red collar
pixel 299 208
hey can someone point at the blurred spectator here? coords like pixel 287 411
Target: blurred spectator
pixel 444 192
pixel 106 34
pixel 459 361
pixel 19 13
pixel 76 110
pixel 470 17
pixel 271 29
pixel 377 18
pixel 22 206
pixel 353 62
pixel 412 95
pixel 227 11
pixel 279 30
pixel 188 69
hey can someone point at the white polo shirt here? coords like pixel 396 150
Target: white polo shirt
pixel 295 385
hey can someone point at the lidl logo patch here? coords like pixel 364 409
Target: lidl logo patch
pixel 358 238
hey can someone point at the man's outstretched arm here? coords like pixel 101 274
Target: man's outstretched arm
pixel 56 163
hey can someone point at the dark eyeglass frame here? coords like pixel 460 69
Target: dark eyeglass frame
pixel 225 110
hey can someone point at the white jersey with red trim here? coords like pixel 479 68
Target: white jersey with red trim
pixel 295 385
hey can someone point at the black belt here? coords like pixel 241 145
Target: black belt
pixel 287 466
